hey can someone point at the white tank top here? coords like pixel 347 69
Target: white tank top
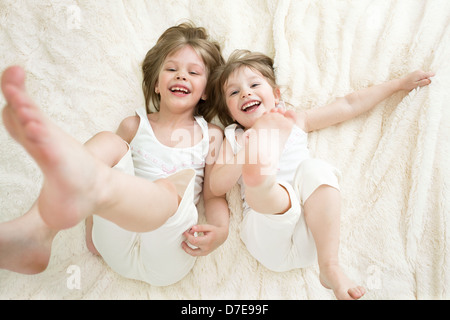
pixel 294 152
pixel 154 160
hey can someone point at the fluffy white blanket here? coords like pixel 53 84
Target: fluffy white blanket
pixel 83 66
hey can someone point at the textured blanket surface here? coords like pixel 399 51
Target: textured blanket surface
pixel 83 58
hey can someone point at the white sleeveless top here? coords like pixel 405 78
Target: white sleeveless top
pixel 154 160
pixel 294 152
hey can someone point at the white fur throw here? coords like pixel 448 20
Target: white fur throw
pixel 82 60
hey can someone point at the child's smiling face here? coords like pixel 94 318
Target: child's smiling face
pixel 249 95
pixel 182 80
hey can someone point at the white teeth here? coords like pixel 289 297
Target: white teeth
pixel 251 104
pixel 179 89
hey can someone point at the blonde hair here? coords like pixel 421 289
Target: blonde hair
pixel 173 39
pixel 238 59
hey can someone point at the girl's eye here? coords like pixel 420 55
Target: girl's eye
pixel 232 93
pixel 171 69
pixel 193 72
pixel 254 85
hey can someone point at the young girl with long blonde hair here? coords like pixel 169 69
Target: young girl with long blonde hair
pixel 141 185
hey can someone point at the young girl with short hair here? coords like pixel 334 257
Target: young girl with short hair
pixel 291 201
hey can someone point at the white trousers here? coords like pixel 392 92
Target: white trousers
pixel 283 242
pixel 155 257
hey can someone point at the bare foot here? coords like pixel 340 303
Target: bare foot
pixel 25 244
pixel 265 144
pixel 332 277
pixel 69 190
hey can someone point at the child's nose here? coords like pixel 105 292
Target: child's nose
pixel 246 93
pixel 181 76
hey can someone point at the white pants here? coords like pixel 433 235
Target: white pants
pixel 283 242
pixel 155 257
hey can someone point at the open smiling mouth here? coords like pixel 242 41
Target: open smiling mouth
pixel 180 90
pixel 251 106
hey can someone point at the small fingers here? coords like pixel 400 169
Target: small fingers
pixel 194 250
pixel 14 76
pixel 195 239
pixel 191 251
pixel 201 228
pixel 423 82
pixel 429 74
pixel 191 237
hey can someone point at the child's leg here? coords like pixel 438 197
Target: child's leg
pixel 270 198
pixel 264 146
pixel 76 184
pixel 271 238
pixel 25 243
pixel 133 254
pixel 322 214
pixel 110 149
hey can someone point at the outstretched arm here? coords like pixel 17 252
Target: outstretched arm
pixel 359 102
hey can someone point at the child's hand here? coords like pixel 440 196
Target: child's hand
pixel 289 114
pixel 275 118
pixel 206 243
pixel 416 79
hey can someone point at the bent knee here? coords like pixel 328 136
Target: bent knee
pixel 318 169
pixel 312 174
pixel 107 147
